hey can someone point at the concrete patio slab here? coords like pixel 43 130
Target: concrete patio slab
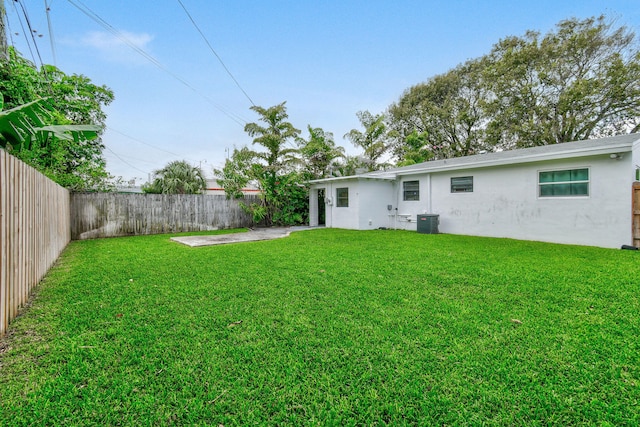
pixel 250 236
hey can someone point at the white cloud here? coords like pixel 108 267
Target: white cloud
pixel 118 48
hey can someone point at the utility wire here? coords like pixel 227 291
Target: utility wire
pixel 214 52
pixel 124 161
pixel 142 142
pixel 9 30
pixel 33 57
pixel 137 160
pixel 177 156
pixel 84 9
pixel 47 5
pixel 31 30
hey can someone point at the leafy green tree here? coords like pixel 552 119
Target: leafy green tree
pixel 75 162
pixel 374 140
pixel 440 118
pixel 319 153
pixel 414 149
pixel 177 177
pixel 274 136
pixel 238 171
pixel 290 199
pixel 24 131
pixel 283 197
pixel 350 165
pixel 580 81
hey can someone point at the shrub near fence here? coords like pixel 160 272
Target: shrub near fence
pixel 95 215
pixel 34 229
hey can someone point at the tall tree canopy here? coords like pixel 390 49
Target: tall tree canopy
pixel 374 139
pixel 177 177
pixel 579 81
pixel 273 136
pixel 275 170
pixel 441 118
pixel 76 163
pixel 319 153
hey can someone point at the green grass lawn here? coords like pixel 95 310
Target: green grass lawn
pixel 328 327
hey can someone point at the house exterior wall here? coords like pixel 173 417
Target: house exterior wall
pixel 505 200
pixel 636 159
pixel 367 210
pixel 505 203
pixel 340 217
pixel 374 197
pixel 408 210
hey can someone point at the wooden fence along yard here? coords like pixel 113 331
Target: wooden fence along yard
pixel 34 229
pixel 95 215
pixel 38 218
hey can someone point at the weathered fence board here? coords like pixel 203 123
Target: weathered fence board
pixel 95 215
pixel 34 229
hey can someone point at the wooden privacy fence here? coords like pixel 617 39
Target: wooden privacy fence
pixel 95 215
pixel 34 229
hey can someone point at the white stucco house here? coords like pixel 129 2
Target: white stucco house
pixel 577 193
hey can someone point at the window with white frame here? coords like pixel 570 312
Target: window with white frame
pixel 563 183
pixel 462 184
pixel 411 190
pixel 342 197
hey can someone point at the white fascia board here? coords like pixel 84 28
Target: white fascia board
pixel 508 158
pixel 538 157
pixel 339 178
pixel 386 177
pixel 354 177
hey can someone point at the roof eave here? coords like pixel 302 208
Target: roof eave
pixel 388 177
pixel 539 157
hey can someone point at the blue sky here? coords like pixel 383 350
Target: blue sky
pixel 327 60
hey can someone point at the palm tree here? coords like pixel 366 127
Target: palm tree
pixel 279 161
pixel 374 138
pixel 320 152
pixel 274 137
pixel 177 177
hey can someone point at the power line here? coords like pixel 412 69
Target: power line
pixel 214 52
pixel 92 15
pixel 32 32
pixel 141 141
pixel 47 6
pixel 124 161
pixel 33 57
pixel 138 161
pixel 177 156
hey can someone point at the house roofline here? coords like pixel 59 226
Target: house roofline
pixel 594 147
pixel 558 155
pixel 354 178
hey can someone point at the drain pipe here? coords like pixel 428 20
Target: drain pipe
pixel 429 205
pixel 395 213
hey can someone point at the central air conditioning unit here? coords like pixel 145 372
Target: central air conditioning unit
pixel 428 223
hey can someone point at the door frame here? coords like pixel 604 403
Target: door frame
pixel 635 212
